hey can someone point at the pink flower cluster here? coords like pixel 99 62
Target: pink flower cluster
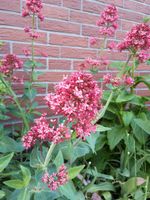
pixel 137 39
pixel 90 63
pixel 116 81
pixel 107 21
pixel 32 34
pixel 43 132
pixel 142 56
pixel 55 180
pixel 9 63
pixel 78 99
pixel 33 7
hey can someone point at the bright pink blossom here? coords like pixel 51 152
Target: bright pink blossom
pixel 93 41
pixel 33 7
pixel 55 180
pixel 143 56
pixel 137 39
pixel 107 21
pixel 111 45
pixel 78 99
pixel 107 79
pixel 43 132
pixel 128 80
pixel 10 62
pixel 26 52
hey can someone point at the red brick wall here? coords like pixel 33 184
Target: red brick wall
pixel 65 33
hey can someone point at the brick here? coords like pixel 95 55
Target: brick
pixel 120 35
pixel 137 6
pixel 143 66
pixel 90 30
pixel 60 26
pixel 143 92
pixel 19 35
pixel 52 76
pixel 14 19
pixel 50 50
pixel 59 64
pixel 127 25
pixel 84 18
pixel 66 40
pixel 115 55
pixel 18 88
pixel 5 48
pixel 75 4
pixel 115 2
pixel 55 2
pixel 55 12
pixel 12 6
pixel 93 7
pixel 77 53
pixel 130 15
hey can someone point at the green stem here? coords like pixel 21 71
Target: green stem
pixel 103 110
pixel 15 98
pixel 48 156
pixel 135 167
pixel 146 188
pixel 33 23
pixel 125 65
pixel 132 72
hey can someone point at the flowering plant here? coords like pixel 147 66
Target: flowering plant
pixel 99 149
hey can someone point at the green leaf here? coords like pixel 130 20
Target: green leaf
pixel 115 136
pixel 129 186
pixel 127 117
pixel 26 175
pixel 80 150
pixel 117 65
pixel 124 96
pixel 45 195
pixel 101 128
pixel 107 186
pixel 16 184
pixel 8 144
pixel 24 195
pixel 2 194
pixel 107 195
pixel 74 171
pixel 68 190
pixel 29 64
pixel 59 160
pixel 99 175
pixel 146 19
pixel 143 124
pixel 92 140
pixel 4 161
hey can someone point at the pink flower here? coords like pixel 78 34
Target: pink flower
pixel 111 45
pixel 43 132
pixel 55 180
pixel 107 21
pixel 142 56
pixel 116 82
pixel 27 29
pixel 10 62
pixel 107 79
pixel 92 62
pixel 26 52
pixel 128 80
pixel 34 35
pixel 33 7
pixel 93 41
pixel 137 39
pixel 78 99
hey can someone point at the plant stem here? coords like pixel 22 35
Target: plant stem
pixel 125 65
pixel 103 110
pixel 146 188
pixel 15 98
pixel 48 156
pixel 33 23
